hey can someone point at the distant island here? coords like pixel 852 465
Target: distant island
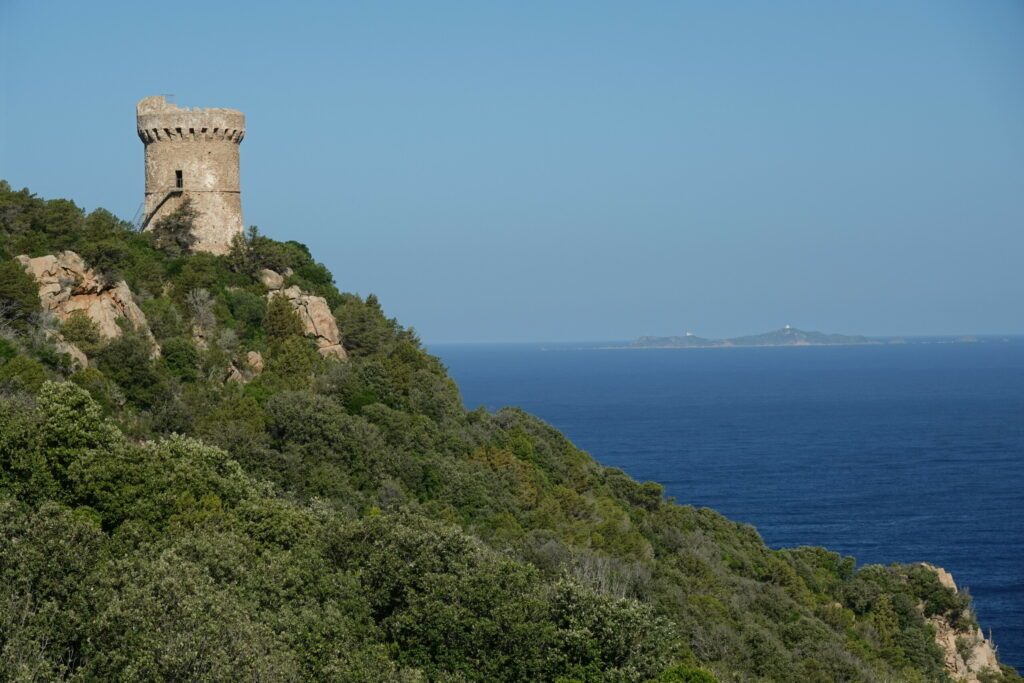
pixel 786 336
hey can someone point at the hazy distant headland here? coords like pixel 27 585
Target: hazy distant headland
pixel 785 336
pixel 791 336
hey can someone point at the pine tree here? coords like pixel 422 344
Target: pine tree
pixel 281 320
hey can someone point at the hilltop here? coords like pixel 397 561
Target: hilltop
pixel 223 467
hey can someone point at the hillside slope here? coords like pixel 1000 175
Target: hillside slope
pixel 205 496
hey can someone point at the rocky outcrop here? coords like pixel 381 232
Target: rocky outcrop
pixel 64 346
pixel 317 321
pixel 234 375
pixel 273 280
pixel 66 285
pixel 255 361
pixel 966 653
pixel 201 337
pixel 249 370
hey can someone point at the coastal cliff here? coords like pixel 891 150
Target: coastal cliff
pixel 967 654
pixel 337 514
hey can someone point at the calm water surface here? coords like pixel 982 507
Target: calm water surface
pixel 886 453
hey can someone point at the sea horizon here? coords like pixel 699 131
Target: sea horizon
pixel 987 336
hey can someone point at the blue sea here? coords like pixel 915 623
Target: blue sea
pixel 893 453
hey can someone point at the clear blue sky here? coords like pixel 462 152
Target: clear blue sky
pixel 575 170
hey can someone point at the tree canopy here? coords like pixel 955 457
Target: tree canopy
pixel 352 521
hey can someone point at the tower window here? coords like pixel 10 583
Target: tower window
pixel 178 180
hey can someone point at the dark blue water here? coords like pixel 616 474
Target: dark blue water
pixel 886 453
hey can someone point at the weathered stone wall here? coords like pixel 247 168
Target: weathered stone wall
pixel 204 145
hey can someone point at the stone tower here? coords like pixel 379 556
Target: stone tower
pixel 193 154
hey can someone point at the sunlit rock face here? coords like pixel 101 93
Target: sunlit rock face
pixel 317 321
pixel 67 285
pixel 975 654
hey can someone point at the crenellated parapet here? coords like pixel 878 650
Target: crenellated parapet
pixel 190 133
pixel 158 120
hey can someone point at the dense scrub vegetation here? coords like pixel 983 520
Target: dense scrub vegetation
pixel 351 521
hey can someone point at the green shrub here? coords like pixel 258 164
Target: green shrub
pixel 19 294
pixel 8 349
pixel 82 331
pixel 173 233
pixel 164 318
pixel 22 373
pixel 107 257
pixel 278 256
pixel 685 674
pixel 181 358
pixel 280 321
pixel 248 311
pixel 99 388
pixel 203 271
pixel 290 363
pixel 128 362
pixel 364 328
